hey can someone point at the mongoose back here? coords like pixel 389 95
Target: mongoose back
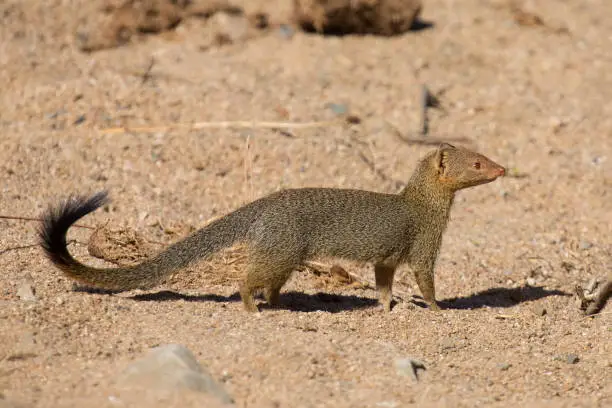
pixel 288 228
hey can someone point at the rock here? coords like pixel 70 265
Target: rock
pixel 590 287
pixel 409 367
pixel 338 108
pixel 504 366
pixel 572 359
pixel 381 17
pixel 584 245
pixel 447 344
pixel 80 119
pixel 119 21
pixel 540 310
pixel 230 28
pixel 569 358
pixel 173 367
pixel 26 292
pixel 286 31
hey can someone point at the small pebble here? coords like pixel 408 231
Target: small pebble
pixel 569 358
pixel 79 120
pixel 572 359
pixel 504 366
pixel 409 367
pixel 55 114
pixel 26 293
pixel 286 31
pixel 531 281
pixel 337 108
pixel 448 344
pixel 590 287
pixel 387 404
pixel 584 245
pixel 540 310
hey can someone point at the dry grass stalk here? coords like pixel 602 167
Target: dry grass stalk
pixel 240 124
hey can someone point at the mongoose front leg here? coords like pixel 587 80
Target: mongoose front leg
pixel 425 279
pixel 384 281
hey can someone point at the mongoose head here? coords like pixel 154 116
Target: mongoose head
pixel 459 168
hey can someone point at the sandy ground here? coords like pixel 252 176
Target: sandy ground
pixel 532 94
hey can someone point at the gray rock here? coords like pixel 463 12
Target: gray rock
pixel 572 359
pixel 504 366
pixel 568 358
pixel 590 287
pixel 26 292
pixel 286 31
pixel 173 367
pixel 337 108
pixel 409 367
pixel 540 310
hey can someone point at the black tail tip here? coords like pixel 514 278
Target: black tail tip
pixel 58 218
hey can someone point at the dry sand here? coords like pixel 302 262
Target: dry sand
pixel 529 87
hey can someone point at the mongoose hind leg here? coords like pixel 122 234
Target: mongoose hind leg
pixel 384 282
pixel 247 293
pixel 269 275
pixel 276 278
pixel 272 294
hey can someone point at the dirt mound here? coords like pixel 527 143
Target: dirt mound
pixel 111 23
pixel 114 23
pixel 382 17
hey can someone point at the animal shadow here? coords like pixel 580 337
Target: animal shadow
pixel 295 301
pixel 335 303
pixel 500 297
pixel 420 24
pixel 321 302
pixel 417 25
pixel 162 295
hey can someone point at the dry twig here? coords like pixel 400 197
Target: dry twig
pixel 12 217
pixel 429 141
pixel 240 124
pixel 16 248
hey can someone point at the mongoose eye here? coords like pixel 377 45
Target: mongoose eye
pixel 476 165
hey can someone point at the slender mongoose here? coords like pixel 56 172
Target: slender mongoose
pixel 287 228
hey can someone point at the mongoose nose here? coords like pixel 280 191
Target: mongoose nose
pixel 502 171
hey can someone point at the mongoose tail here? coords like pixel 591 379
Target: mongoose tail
pixel 57 220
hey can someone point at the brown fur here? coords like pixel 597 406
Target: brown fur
pixel 284 230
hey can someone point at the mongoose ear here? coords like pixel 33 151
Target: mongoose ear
pixel 440 157
pixel 445 145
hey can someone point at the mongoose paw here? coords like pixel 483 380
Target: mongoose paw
pixel 387 304
pixel 251 307
pixel 434 307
